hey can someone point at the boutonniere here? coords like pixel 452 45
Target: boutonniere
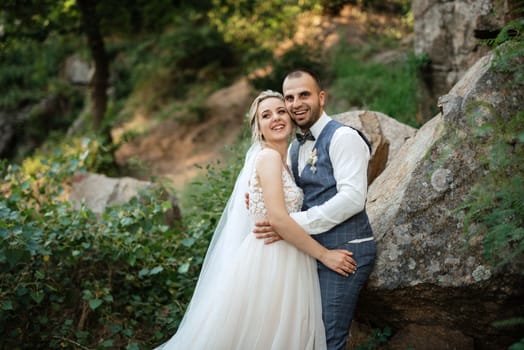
pixel 313 160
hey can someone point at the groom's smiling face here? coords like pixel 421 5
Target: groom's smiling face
pixel 304 99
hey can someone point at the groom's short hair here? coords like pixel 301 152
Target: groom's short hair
pixel 298 72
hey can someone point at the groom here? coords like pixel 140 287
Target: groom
pixel 329 162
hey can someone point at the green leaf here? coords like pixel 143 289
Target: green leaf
pixel 188 242
pixel 166 205
pixel 7 305
pixel 184 268
pixel 108 343
pixel 156 270
pixel 39 274
pixel 37 296
pixel 95 303
pixel 126 221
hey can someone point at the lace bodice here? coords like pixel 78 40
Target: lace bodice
pixel 293 195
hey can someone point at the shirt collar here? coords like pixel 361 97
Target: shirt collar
pixel 319 125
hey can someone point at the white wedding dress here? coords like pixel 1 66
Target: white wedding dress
pixel 267 297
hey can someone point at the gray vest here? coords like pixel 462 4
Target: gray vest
pixel 320 186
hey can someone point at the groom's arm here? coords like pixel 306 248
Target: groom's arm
pixel 349 156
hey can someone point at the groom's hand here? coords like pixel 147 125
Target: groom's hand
pixel 246 200
pixel 263 230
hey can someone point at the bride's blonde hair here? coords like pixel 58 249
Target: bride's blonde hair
pixel 256 135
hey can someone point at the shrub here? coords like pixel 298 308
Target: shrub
pixel 361 83
pixel 496 201
pixel 300 56
pixel 70 277
pixel 34 98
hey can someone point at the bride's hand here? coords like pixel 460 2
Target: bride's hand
pixel 340 261
pixel 264 230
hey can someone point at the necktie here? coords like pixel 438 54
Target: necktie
pixel 306 136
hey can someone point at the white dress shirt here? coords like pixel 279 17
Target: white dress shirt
pixel 349 156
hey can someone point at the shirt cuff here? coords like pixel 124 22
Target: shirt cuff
pixel 304 221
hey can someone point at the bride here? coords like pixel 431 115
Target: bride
pixel 250 295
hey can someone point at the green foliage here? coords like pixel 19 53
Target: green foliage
pixel 37 100
pixel 379 337
pixel 205 198
pixel 256 28
pixel 391 6
pixel 122 279
pixel 28 73
pixel 142 16
pixel 68 276
pixel 508 57
pixel 164 67
pixel 300 56
pixel 35 19
pixel 496 202
pixel 517 346
pixel 387 88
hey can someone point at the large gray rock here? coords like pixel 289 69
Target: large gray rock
pixel 77 71
pixel 447 32
pixel 395 132
pixel 98 191
pixel 386 135
pixel 425 275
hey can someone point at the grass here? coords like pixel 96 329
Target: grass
pixel 361 83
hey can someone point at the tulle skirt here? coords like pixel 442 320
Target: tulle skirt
pixel 267 298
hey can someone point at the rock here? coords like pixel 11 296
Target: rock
pixel 447 31
pixel 430 338
pixel 386 134
pixel 425 274
pixel 77 71
pixel 99 191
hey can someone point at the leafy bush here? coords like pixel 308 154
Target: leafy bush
pixel 300 56
pixel 28 72
pixel 164 66
pixel 497 200
pixel 377 339
pixel 255 29
pixel 387 88
pixel 36 100
pixel 391 6
pixel 70 278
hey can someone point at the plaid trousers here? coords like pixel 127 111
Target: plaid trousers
pixel 340 294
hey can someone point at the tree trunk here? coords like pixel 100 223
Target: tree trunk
pixel 99 82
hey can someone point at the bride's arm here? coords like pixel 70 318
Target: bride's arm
pixel 269 169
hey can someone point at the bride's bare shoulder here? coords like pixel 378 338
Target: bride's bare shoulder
pixel 268 156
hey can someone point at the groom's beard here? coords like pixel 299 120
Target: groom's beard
pixel 306 121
